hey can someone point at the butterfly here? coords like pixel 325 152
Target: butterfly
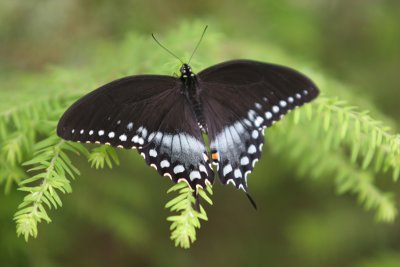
pixel 165 118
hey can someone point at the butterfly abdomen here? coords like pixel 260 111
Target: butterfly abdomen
pixel 198 111
pixel 191 87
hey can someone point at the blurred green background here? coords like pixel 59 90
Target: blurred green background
pixel 116 217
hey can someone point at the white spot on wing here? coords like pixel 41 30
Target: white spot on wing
pixel 82 131
pixel 254 134
pixel 259 120
pixel 153 153
pixel 111 134
pixel 282 103
pixel 238 173
pixel 268 115
pixel 252 149
pixel 164 164
pixel 135 139
pixel 179 169
pixel 122 137
pixel 258 106
pixel 227 169
pixel 275 109
pixel 130 126
pixel 141 141
pixel 290 99
pixel 194 175
pixel 101 133
pixel 202 168
pixel 244 161
pixel 91 132
pixel 298 96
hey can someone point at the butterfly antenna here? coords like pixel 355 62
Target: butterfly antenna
pixel 166 49
pixel 198 43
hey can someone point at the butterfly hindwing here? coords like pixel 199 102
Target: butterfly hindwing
pixel 147 113
pixel 179 152
pixel 241 98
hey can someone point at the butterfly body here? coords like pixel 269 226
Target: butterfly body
pixel 191 89
pixel 164 117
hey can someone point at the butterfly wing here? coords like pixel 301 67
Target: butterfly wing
pixel 148 113
pixel 240 99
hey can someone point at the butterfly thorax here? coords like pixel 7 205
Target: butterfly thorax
pixel 190 89
pixel 186 72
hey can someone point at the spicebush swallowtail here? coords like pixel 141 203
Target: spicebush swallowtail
pixel 164 117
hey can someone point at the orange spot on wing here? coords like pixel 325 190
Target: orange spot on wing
pixel 214 156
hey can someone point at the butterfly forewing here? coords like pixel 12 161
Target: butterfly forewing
pixel 240 99
pixel 148 113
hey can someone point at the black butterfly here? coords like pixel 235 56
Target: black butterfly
pixel 164 117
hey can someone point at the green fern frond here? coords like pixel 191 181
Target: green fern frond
pixel 10 175
pixel 367 137
pixel 53 168
pixel 184 225
pixel 343 143
pixel 102 155
pixel 15 146
pixel 19 128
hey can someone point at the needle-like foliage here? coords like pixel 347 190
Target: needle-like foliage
pixel 184 225
pixel 344 144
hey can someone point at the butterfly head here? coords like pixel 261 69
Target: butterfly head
pixel 186 71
